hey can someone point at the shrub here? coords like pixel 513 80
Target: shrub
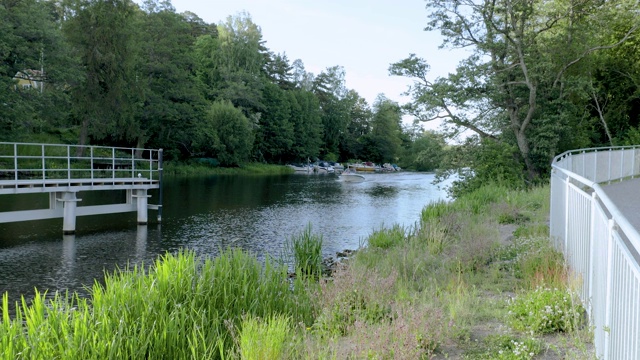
pixel 545 310
pixel 506 347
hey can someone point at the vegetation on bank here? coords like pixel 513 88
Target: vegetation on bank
pixel 475 279
pixel 204 167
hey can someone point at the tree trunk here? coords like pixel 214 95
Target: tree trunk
pixel 523 146
pixel 84 135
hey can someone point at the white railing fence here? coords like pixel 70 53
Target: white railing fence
pixel 28 161
pixel 600 246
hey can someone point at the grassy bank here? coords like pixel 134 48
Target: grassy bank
pixel 475 279
pixel 203 168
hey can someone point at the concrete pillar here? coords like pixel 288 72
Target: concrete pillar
pixel 141 204
pixel 70 202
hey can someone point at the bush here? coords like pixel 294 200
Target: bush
pixel 545 310
pixel 506 347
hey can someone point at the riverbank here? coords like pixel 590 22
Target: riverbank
pixel 473 280
pixel 478 279
pixel 205 168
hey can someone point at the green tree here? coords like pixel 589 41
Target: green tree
pixel 383 143
pixel 424 153
pixel 279 71
pixel 520 73
pixel 172 97
pixel 105 101
pixel 231 64
pixel 224 134
pixel 33 49
pixel 479 161
pixel 301 78
pixel 275 132
pixel 307 125
pixel 329 87
pixel 358 126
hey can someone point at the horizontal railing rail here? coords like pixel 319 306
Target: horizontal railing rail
pixel 601 246
pixel 42 164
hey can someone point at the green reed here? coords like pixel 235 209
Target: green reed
pixel 180 307
pixel 306 249
pixel 263 339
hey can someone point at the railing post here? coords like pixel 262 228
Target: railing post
pixel 133 165
pixel 633 163
pixel 15 163
pixel 69 168
pixel 91 161
pixel 113 163
pixel 44 171
pixel 160 171
pixel 622 164
pixel 609 174
pixel 607 306
pixel 592 240
pixel 595 166
pixel 566 213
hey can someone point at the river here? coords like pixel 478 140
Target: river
pixel 205 214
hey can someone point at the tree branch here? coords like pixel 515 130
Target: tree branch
pixel 596 48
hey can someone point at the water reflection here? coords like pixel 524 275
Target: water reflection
pixel 141 242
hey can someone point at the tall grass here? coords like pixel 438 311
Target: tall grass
pixel 264 339
pixel 306 250
pixel 179 308
pixel 456 270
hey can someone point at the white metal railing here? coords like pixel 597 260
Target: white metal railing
pixel 599 243
pixel 41 164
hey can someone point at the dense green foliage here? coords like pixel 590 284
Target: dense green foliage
pixel 117 72
pixel 542 77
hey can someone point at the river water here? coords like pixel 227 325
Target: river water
pixel 205 214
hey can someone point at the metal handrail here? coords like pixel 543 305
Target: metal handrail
pixel 600 244
pixel 31 161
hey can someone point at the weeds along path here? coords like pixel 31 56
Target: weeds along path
pixel 477 279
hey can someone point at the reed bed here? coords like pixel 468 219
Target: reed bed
pixel 182 307
pixel 305 249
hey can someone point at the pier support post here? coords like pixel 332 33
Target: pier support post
pixel 70 202
pixel 141 203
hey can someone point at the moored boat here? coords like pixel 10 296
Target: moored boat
pixel 367 167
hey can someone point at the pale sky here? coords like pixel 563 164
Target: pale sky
pixel 363 36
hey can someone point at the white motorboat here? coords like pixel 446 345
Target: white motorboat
pixel 351 175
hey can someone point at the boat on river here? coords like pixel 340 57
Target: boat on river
pixel 301 168
pixel 367 167
pixel 351 175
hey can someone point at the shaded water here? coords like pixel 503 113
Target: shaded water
pixel 205 214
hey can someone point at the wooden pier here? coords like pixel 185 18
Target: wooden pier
pixel 64 170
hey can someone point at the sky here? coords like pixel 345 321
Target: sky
pixel 363 36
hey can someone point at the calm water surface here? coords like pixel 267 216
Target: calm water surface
pixel 205 214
